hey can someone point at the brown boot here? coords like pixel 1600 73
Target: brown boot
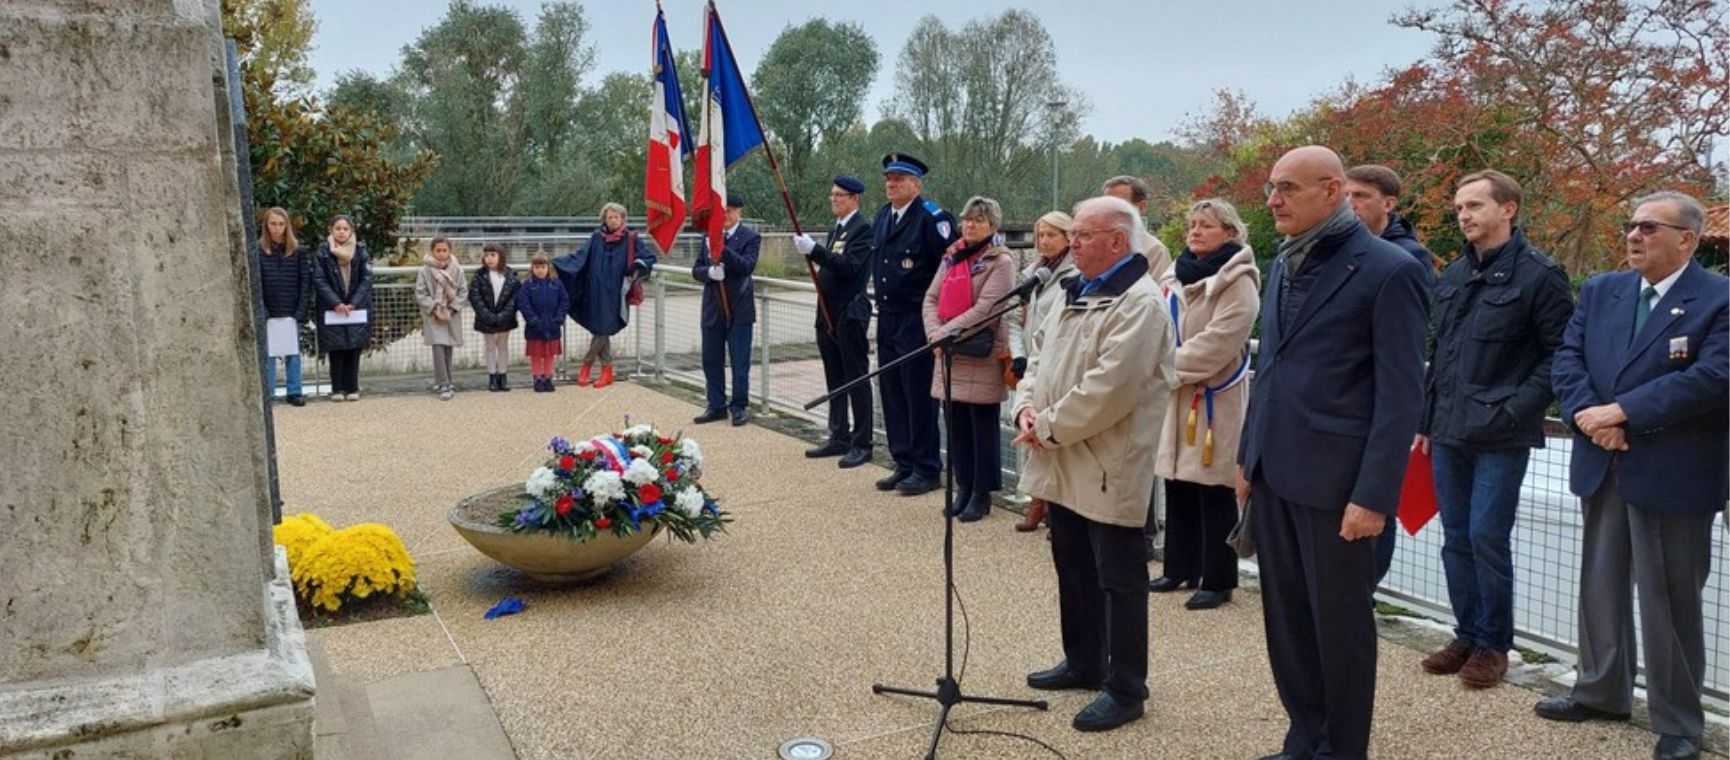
pixel 583 375
pixel 1034 516
pixel 1449 659
pixel 606 377
pixel 1485 669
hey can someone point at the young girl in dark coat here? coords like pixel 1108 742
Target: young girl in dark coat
pixel 342 279
pixel 286 275
pixel 543 304
pixel 493 294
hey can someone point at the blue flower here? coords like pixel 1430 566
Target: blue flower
pixel 559 446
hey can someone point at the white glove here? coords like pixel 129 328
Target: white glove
pixel 717 274
pixel 804 243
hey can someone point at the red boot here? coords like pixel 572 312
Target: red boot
pixel 606 376
pixel 583 376
pixel 1035 515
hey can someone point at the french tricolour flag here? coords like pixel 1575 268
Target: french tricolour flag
pixel 664 190
pixel 730 131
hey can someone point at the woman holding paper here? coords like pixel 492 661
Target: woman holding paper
pixel 342 279
pixel 286 277
pixel 1213 293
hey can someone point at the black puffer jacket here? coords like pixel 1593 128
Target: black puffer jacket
pixel 1497 324
pixel 494 315
pixel 287 282
pixel 327 283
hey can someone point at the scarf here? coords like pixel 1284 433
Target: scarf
pixel 1295 248
pixel 614 236
pixel 1054 262
pixel 1192 269
pixel 344 254
pixel 445 282
pixel 956 297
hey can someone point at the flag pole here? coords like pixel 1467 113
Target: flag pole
pixel 775 168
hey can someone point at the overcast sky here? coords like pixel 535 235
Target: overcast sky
pixel 1144 64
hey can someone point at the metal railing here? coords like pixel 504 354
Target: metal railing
pixel 663 343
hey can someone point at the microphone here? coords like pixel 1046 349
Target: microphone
pixel 1026 287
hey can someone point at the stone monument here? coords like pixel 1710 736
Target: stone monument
pixel 143 611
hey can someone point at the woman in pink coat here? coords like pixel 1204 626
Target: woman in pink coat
pixel 975 273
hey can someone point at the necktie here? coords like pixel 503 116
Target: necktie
pixel 1643 309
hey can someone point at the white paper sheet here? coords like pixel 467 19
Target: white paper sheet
pixel 356 317
pixel 281 337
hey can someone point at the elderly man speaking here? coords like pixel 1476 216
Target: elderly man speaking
pixel 1090 409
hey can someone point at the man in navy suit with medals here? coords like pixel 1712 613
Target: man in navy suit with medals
pixel 843 266
pixel 1334 404
pixel 908 237
pixel 1642 378
pixel 729 312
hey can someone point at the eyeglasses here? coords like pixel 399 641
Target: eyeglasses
pixel 1285 189
pixel 1649 227
pixel 1082 236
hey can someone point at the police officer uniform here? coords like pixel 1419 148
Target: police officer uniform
pixel 907 248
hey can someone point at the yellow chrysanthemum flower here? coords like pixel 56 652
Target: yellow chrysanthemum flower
pixel 353 563
pixel 297 532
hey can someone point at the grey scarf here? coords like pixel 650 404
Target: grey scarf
pixel 1295 248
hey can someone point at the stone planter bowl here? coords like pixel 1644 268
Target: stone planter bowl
pixel 543 557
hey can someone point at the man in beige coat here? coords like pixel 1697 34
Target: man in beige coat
pixel 1090 410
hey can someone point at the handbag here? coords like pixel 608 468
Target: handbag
pixel 1242 535
pixel 633 294
pixel 978 345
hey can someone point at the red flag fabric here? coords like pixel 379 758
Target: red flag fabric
pixel 1418 494
pixel 664 189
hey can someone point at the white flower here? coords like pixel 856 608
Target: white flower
pixel 689 502
pixel 638 431
pixel 605 486
pixel 639 471
pixel 642 451
pixel 541 482
pixel 689 450
pixel 583 446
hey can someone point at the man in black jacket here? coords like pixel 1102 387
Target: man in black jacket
pixel 844 264
pixel 1501 310
pixel 729 311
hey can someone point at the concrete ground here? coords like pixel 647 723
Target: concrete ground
pixel 778 629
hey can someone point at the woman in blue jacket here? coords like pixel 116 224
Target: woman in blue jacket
pixel 596 279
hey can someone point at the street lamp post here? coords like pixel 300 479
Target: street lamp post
pixel 1056 107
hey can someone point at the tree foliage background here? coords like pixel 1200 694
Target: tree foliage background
pixel 1589 103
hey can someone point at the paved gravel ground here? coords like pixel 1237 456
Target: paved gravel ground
pixel 778 629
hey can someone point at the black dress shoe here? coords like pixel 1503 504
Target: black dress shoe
pixel 1564 708
pixel 741 417
pixel 1207 600
pixel 1106 713
pixel 1165 583
pixel 977 508
pixel 710 415
pixel 917 484
pixel 1280 756
pixel 1059 678
pixel 297 400
pixel 892 480
pixel 855 458
pixel 1676 748
pixel 830 449
pixel 959 505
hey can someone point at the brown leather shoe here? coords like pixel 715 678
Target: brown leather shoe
pixel 1035 515
pixel 1449 659
pixel 1485 668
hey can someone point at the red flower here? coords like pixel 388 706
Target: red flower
pixel 603 523
pixel 587 454
pixel 564 504
pixel 664 440
pixel 567 462
pixel 667 457
pixel 649 493
pixel 672 476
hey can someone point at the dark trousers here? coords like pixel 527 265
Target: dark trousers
pixel 1102 601
pixel 909 412
pixel 976 447
pixel 1197 519
pixel 1322 645
pixel 845 360
pixel 1385 552
pixel 345 371
pixel 723 343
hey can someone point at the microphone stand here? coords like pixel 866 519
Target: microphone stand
pixel 948 692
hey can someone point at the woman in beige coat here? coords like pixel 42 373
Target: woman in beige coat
pixel 1213 293
pixel 975 273
pixel 1051 241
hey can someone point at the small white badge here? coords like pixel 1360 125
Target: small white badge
pixel 1679 347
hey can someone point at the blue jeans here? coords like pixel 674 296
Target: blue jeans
pixel 290 367
pixel 727 343
pixel 1477 492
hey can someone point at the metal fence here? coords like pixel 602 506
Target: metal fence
pixel 663 342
